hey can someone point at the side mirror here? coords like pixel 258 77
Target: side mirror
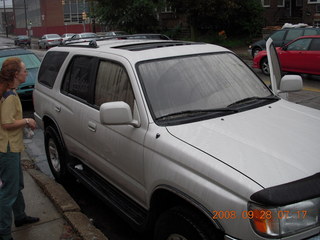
pixel 284 48
pixel 291 83
pixel 117 113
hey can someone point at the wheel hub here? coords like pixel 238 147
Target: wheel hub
pixel 54 156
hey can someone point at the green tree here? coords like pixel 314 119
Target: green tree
pixel 130 15
pixel 234 16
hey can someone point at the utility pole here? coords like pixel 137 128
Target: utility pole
pixel 5 16
pixel 25 16
pixel 84 16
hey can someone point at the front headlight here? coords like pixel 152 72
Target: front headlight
pixel 285 220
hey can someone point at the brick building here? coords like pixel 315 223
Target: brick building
pixel 278 12
pixel 6 16
pixel 38 17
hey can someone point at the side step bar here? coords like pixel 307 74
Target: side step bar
pixel 127 208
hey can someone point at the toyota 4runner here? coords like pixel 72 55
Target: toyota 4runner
pixel 182 138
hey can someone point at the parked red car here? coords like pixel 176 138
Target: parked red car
pixel 301 55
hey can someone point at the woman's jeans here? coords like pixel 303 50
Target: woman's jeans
pixel 11 198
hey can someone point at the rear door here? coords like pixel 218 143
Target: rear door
pixel 77 93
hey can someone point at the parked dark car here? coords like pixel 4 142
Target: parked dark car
pixel 22 40
pixel 32 63
pixel 282 37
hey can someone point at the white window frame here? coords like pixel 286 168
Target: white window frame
pixel 281 5
pixel 265 5
pixel 313 2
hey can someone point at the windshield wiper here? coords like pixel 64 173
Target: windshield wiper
pixel 254 99
pixel 189 113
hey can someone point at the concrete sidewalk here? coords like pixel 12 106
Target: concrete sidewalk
pixel 60 216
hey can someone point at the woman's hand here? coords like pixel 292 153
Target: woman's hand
pixel 31 123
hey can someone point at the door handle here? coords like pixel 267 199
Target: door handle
pixel 92 126
pixel 57 108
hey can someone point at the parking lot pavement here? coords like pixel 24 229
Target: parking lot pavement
pixel 307 98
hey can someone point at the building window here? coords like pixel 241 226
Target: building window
pixel 280 3
pixel 318 8
pixel 73 10
pixel 265 3
pixel 313 1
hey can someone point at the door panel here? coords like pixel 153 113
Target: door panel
pixel 76 94
pixel 115 152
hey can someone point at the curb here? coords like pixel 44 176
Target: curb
pixel 64 203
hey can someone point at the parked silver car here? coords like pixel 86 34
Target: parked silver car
pixel 66 36
pixel 49 40
pixel 183 137
pixel 81 37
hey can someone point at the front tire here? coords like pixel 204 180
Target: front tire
pixel 181 223
pixel 56 154
pixel 265 66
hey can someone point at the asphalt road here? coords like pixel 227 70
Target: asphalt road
pixel 104 217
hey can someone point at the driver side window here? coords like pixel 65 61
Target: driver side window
pixel 300 45
pixel 113 84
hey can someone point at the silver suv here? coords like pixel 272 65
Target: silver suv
pixel 182 138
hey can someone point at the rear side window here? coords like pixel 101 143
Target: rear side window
pixel 277 36
pixel 309 32
pixel 293 34
pixel 300 45
pixel 78 80
pixel 50 68
pixel 315 45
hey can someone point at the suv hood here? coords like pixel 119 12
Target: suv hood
pixel 272 145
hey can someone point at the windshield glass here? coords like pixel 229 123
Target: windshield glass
pixel 203 82
pixel 30 60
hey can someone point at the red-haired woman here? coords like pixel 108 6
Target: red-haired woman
pixel 13 73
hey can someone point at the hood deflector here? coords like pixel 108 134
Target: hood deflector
pixel 288 193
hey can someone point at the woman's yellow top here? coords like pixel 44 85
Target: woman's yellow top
pixel 11 110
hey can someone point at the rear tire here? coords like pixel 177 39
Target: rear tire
pixel 57 155
pixel 180 223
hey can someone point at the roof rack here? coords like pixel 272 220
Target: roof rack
pixel 136 46
pixel 91 44
pixel 153 45
pixel 145 36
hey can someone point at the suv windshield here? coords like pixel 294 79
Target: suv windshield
pixel 198 83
